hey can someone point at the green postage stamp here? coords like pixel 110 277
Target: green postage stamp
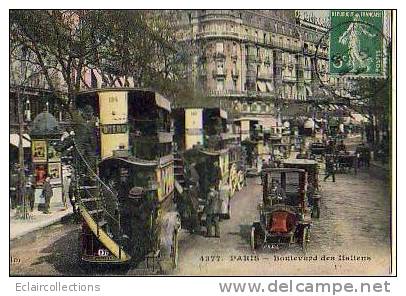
pixel 356 42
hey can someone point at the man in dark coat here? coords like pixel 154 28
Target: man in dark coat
pixel 71 192
pixel 215 175
pixel 213 210
pixel 47 193
pixel 330 167
pixel 13 188
pixel 30 191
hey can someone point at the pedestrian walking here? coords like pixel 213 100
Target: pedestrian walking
pixel 47 193
pixel 13 188
pixel 65 193
pixel 30 191
pixel 213 210
pixel 330 167
pixel 71 192
pixel 215 175
pixel 265 166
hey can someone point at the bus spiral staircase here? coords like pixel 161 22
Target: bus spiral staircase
pixel 98 206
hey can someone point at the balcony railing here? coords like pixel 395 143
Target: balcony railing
pixel 219 73
pixel 215 34
pixel 219 55
pixel 239 93
pixel 265 76
pixel 289 78
pixel 252 57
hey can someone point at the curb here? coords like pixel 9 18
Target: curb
pixel 39 226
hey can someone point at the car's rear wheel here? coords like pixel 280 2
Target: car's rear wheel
pixel 305 238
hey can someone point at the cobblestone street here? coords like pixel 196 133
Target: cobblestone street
pixel 355 221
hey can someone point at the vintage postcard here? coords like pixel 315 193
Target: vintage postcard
pixel 202 142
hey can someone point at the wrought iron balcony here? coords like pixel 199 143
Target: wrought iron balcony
pixel 219 73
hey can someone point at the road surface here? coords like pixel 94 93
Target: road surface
pixel 354 226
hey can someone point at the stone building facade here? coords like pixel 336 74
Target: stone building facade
pixel 252 59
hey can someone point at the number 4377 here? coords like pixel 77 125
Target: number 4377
pixel 210 258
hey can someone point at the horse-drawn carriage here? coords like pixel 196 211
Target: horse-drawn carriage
pixel 285 217
pixel 317 150
pixel 347 161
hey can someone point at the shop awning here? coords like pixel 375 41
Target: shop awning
pixel 358 118
pixel 261 86
pixel 223 114
pixel 162 102
pixel 15 138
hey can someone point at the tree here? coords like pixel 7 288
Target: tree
pixel 124 47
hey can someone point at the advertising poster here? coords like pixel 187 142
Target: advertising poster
pixel 39 151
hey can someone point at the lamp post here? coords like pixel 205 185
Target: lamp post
pixel 22 209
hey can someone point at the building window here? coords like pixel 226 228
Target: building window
pixel 219 47
pixel 234 84
pixel 258 52
pixel 234 49
pixel 220 68
pixel 258 70
pixel 220 84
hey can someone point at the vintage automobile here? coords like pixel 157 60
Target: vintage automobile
pixel 284 214
pixel 313 189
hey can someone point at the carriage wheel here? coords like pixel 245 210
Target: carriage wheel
pixel 252 241
pixel 229 209
pixel 255 237
pixel 305 238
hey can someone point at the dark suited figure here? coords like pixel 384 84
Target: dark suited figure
pixel 341 147
pixel 265 166
pixel 47 192
pixel 71 192
pixel 13 188
pixel 213 210
pixel 30 191
pixel 330 167
pixel 194 188
pixel 215 175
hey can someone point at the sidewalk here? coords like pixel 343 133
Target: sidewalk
pixel 37 221
pixel 381 170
